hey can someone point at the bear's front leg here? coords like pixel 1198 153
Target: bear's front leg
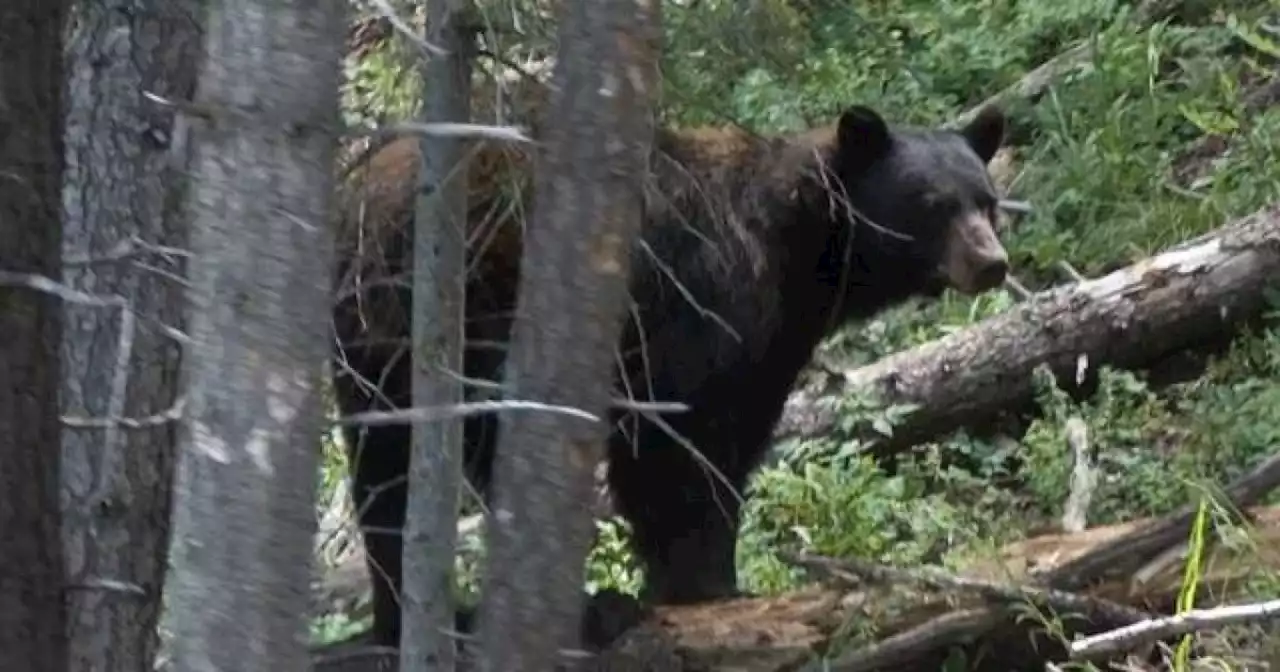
pixel 685 562
pixel 684 524
pixel 379 493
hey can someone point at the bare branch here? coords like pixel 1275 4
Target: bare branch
pixel 1019 207
pixel 186 107
pixel 621 403
pixel 1019 289
pixel 1145 632
pixel 855 572
pixel 110 586
pixel 389 13
pixel 124 249
pixel 1071 271
pixel 435 128
pixel 412 415
pixel 171 414
pixel 452 129
pixel 650 406
pixel 69 294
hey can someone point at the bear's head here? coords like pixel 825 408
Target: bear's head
pixel 924 208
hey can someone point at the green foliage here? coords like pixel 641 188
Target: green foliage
pixel 337 627
pixel 918 60
pixel 1122 417
pixel 379 88
pixel 610 564
pixel 844 506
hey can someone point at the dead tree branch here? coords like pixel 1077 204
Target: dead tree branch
pixel 1143 633
pixel 852 573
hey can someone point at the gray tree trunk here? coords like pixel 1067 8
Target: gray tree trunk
pixel 261 254
pixel 435 464
pixel 571 306
pixel 32 614
pixel 125 170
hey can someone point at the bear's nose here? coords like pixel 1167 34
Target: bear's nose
pixel 992 273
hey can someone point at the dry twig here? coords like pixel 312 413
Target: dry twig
pixel 1146 632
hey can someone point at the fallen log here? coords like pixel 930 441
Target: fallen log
pixel 792 631
pixel 1173 301
pixel 1123 563
pixel 1106 566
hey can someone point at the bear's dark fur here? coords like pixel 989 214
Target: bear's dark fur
pixel 751 254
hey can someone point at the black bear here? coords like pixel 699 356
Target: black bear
pixel 754 248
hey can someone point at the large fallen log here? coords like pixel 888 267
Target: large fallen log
pixel 1185 296
pixel 1126 564
pixel 1118 568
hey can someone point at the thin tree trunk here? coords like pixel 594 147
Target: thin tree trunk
pixel 572 302
pixel 260 266
pixel 125 163
pixel 32 614
pixel 435 464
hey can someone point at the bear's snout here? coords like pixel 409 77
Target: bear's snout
pixel 974 260
pixel 991 274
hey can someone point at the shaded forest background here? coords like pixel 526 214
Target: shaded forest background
pixel 1166 129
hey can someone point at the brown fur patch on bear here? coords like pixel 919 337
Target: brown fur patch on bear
pixel 375 210
pixel 691 171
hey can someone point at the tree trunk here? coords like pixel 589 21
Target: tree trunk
pixel 572 301
pixel 32 614
pixel 1185 296
pixel 260 267
pixel 125 163
pixel 435 463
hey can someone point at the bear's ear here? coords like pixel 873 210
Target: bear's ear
pixel 985 133
pixel 862 137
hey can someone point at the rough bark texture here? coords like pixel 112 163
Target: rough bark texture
pixel 125 163
pixel 260 267
pixel 32 613
pixel 573 298
pixel 435 464
pixel 1184 296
